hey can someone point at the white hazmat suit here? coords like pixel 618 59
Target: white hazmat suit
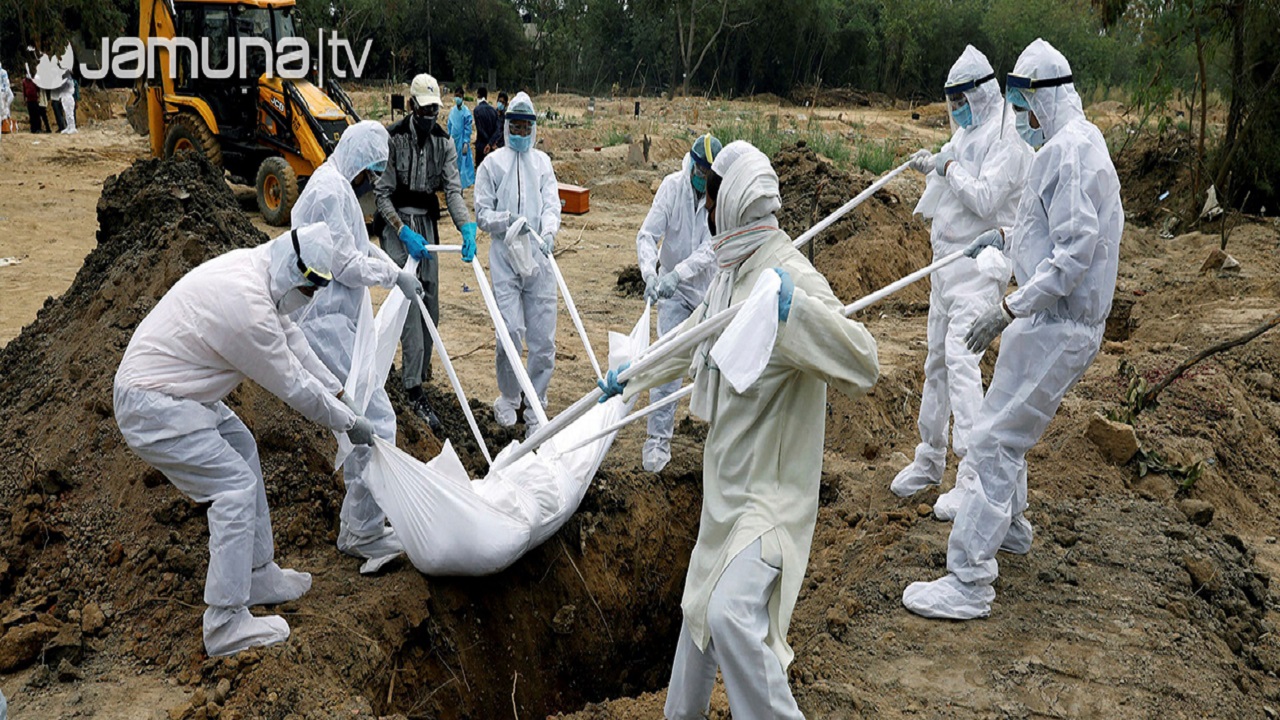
pixel 674 238
pixel 6 94
pixel 217 326
pixel 511 185
pixel 979 191
pixel 1065 247
pixel 330 323
pixel 763 456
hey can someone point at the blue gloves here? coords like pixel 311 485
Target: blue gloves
pixel 987 327
pixel 784 294
pixel 940 162
pixel 667 285
pixel 548 244
pixel 992 238
pixel 468 242
pixel 413 242
pixel 611 385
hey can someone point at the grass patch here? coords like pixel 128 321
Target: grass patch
pixel 617 137
pixel 875 156
pixel 769 138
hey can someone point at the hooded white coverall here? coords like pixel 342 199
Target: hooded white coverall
pixel 330 322
pixel 763 457
pixel 217 326
pixel 510 185
pixel 678 218
pixel 1065 247
pixel 979 192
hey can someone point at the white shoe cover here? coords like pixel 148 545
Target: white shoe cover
pixel 656 455
pixel 504 411
pixel 1018 540
pixel 949 598
pixel 914 478
pixel 377 550
pixel 948 505
pixel 272 585
pixel 228 631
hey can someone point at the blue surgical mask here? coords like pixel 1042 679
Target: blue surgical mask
pixel 520 143
pixel 457 102
pixel 378 167
pixel 699 183
pixel 963 116
pixel 1034 136
pixel 501 106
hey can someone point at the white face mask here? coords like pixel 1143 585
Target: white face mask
pixel 292 301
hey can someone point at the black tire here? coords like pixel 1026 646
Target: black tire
pixel 277 187
pixel 187 132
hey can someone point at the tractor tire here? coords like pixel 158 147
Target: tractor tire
pixel 277 187
pixel 188 133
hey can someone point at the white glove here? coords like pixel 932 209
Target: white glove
pixel 940 162
pixel 991 238
pixel 922 161
pixel 548 244
pixel 408 284
pixel 651 288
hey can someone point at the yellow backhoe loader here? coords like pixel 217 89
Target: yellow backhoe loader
pixel 266 131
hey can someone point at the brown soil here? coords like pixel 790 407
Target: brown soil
pixel 1123 609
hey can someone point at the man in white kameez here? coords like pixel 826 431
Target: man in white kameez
pixel 763 455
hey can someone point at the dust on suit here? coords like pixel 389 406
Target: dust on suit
pixel 223 322
pixel 510 185
pixel 979 191
pixel 677 218
pixel 763 456
pixel 330 322
pixel 1065 247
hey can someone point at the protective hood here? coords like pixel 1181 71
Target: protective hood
pixel 316 245
pixel 362 145
pixel 521 108
pixel 1054 106
pixel 985 99
pixel 749 189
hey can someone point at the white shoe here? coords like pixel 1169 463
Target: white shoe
pixel 504 411
pixel 948 505
pixel 656 455
pixel 1018 540
pixel 378 550
pixel 949 598
pixel 272 585
pixel 228 631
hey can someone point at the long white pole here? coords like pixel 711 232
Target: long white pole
pixel 453 378
pixel 504 339
pixel 691 338
pixel 573 309
pixel 847 207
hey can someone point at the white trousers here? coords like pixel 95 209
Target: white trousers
pixel 952 380
pixel 210 458
pixel 738 616
pixel 1041 358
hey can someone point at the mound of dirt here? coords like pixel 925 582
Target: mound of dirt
pixel 630 282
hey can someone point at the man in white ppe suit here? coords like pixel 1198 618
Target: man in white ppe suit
pixel 223 322
pixel 677 274
pixel 1065 246
pixel 763 455
pixel 330 322
pixel 973 185
pixel 516 191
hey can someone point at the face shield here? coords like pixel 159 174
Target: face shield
pixel 1020 92
pixel 521 131
pixel 959 109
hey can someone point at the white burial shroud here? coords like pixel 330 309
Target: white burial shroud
pixel 453 525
